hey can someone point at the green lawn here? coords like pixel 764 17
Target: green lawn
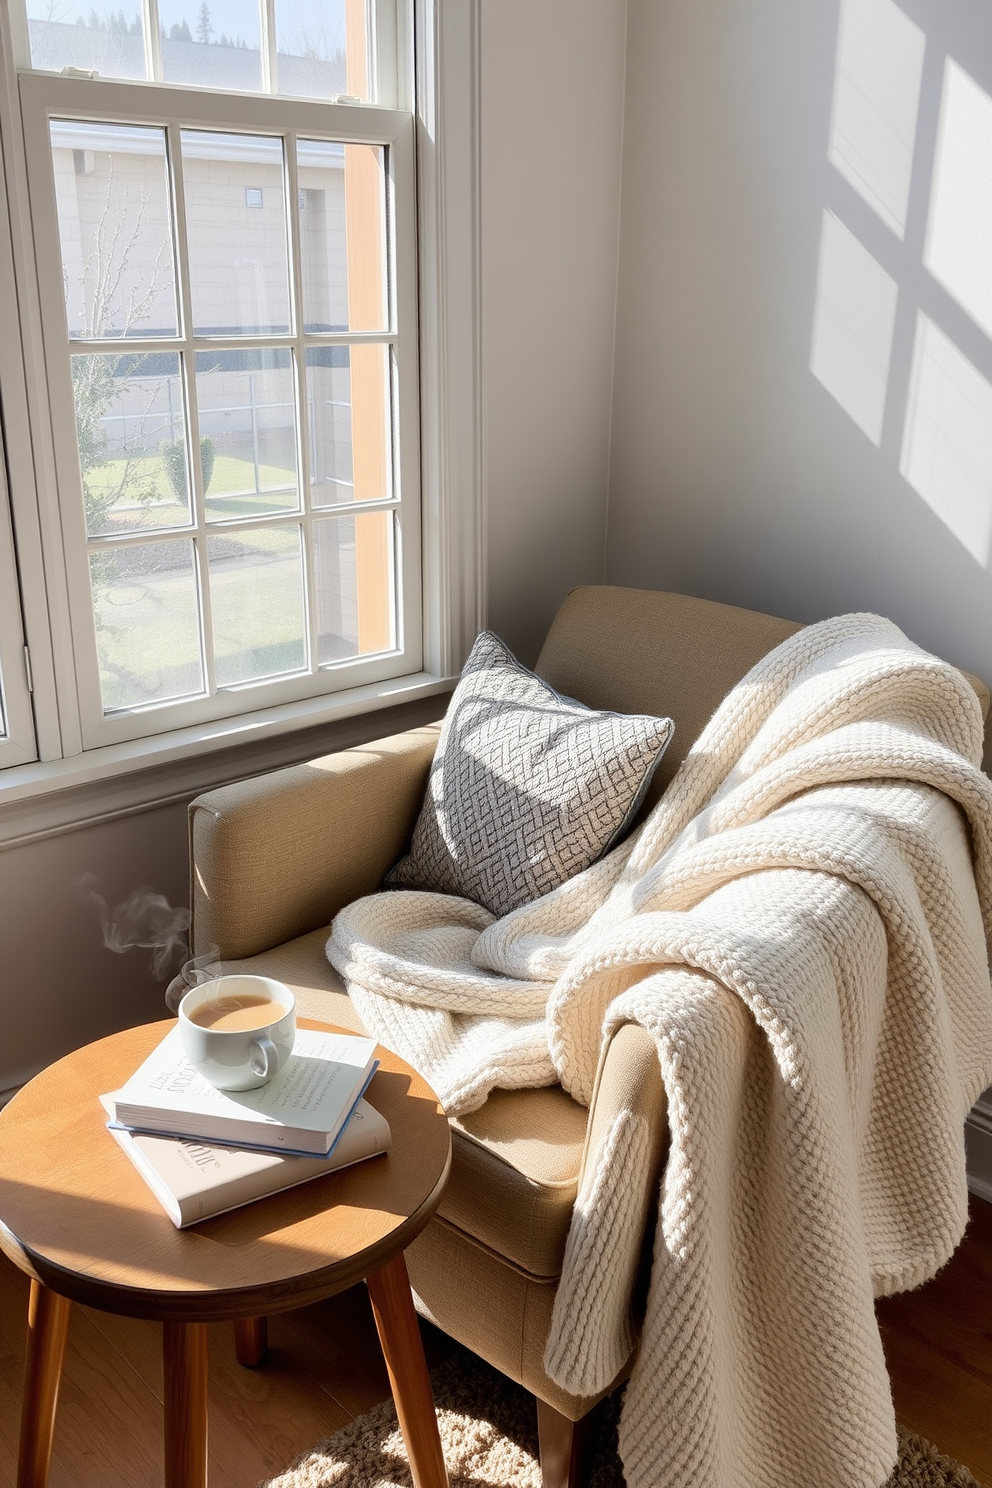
pixel 258 630
pixel 144 595
pixel 148 500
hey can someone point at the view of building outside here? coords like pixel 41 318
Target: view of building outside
pixel 123 283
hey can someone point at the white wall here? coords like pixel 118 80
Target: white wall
pixel 60 986
pixel 736 473
pixel 552 112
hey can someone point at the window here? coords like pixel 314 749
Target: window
pixel 16 730
pixel 228 343
pixel 304 48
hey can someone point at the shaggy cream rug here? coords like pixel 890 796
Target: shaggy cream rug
pixel 489 1434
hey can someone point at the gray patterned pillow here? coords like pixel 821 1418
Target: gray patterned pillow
pixel 527 787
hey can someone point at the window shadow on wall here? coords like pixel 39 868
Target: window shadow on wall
pixel 902 322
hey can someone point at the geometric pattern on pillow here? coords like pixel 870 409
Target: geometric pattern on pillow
pixel 527 787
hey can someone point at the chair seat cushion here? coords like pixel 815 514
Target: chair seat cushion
pixel 515 1162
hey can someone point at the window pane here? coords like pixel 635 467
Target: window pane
pixel 342 236
pixel 95 37
pixel 353 564
pixel 247 406
pixel 212 45
pixel 147 622
pixel 115 229
pixel 348 393
pixel 315 58
pixel 130 430
pixel 257 603
pixel 236 230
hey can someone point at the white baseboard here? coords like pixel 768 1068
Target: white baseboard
pixel 978 1141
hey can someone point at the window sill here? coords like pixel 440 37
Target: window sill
pixel 39 799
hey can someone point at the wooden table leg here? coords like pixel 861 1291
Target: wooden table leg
pixel 184 1352
pixel 48 1323
pixel 251 1340
pixel 392 1304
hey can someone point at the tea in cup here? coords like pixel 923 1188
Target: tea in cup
pixel 238 1031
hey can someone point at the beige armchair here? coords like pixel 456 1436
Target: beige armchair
pixel 274 858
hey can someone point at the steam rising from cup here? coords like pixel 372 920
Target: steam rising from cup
pixel 146 920
pixel 192 972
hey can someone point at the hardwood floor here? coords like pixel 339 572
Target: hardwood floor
pixel 938 1343
pixel 324 1367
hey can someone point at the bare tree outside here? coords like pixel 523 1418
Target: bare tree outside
pixel 114 304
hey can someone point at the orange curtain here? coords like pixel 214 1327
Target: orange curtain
pixel 367 312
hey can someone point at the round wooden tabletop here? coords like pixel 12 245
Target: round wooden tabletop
pixel 77 1216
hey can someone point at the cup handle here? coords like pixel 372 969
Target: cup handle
pixel 264 1056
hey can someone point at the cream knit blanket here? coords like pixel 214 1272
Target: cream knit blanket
pixel 801 925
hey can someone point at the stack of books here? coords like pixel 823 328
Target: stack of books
pixel 203 1151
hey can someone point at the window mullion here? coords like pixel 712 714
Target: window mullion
pixel 270 55
pixel 302 397
pixel 199 515
pixel 242 343
pixel 372 89
pixel 153 41
pixel 188 362
pixel 227 525
pixel 206 614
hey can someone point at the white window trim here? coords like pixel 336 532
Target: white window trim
pixel 17 743
pixel 17 737
pixel 44 631
pixel 448 58
pixel 453 497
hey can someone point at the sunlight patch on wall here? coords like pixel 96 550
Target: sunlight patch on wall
pixel 959 235
pixel 852 326
pixel 876 98
pixel 947 443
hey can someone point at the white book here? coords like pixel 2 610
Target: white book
pixel 194 1181
pixel 302 1109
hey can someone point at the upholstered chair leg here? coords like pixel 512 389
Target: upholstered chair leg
pixel 564 1458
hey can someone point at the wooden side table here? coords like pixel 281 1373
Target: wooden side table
pixel 76 1216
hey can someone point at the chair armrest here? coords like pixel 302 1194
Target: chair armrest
pixel 277 856
pixel 629 1079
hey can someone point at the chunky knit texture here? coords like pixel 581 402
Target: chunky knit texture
pixel 802 926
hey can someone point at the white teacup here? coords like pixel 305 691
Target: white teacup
pixel 238 1031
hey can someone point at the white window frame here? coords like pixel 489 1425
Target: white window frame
pixel 45 97
pixel 17 743
pixel 446 60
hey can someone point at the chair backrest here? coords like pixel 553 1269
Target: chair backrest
pixel 648 651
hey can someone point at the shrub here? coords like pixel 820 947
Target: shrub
pixel 173 452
